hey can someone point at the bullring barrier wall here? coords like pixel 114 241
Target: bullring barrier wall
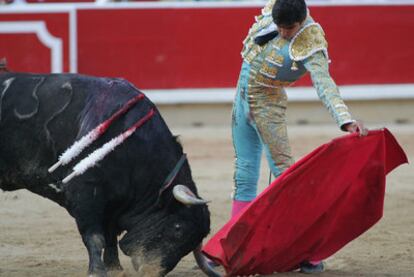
pixel 189 52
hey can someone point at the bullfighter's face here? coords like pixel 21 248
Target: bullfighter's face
pixel 289 31
pixel 159 241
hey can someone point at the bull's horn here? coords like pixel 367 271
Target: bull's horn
pixel 186 196
pixel 203 263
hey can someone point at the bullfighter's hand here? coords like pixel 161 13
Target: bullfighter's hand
pixel 356 127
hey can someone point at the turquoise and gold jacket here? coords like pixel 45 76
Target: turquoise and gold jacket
pixel 279 63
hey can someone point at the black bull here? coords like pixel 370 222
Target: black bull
pixel 43 115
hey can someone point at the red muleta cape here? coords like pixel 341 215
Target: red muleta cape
pixel 317 206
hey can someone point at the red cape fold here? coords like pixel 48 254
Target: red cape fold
pixel 317 206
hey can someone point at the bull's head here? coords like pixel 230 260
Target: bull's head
pixel 160 240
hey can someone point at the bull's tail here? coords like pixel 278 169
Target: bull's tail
pixel 3 65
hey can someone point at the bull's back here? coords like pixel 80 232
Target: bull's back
pixel 40 117
pixel 36 111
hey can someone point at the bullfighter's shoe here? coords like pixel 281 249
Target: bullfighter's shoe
pixel 308 268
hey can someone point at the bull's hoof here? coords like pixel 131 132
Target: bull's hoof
pixel 98 274
pixel 117 273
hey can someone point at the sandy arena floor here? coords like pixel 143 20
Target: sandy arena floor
pixel 39 238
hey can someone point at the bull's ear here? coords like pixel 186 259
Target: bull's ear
pixel 184 195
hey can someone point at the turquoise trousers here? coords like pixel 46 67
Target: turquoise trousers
pixel 258 123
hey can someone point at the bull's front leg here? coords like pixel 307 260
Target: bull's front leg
pixel 110 257
pixel 86 204
pixel 95 243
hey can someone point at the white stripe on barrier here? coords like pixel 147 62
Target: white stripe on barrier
pixel 226 95
pixel 73 41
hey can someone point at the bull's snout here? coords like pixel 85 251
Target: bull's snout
pixel 150 267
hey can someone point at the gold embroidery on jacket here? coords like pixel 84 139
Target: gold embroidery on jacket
pixel 308 41
pixel 279 43
pixel 268 70
pixel 250 53
pixel 262 80
pixel 268 7
pixel 275 58
pixel 262 21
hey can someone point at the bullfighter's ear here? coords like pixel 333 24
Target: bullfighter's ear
pixel 184 195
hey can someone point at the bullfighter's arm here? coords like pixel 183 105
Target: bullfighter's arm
pixel 328 92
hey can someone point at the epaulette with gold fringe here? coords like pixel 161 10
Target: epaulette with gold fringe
pixel 309 40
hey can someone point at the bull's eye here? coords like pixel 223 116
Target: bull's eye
pixel 178 231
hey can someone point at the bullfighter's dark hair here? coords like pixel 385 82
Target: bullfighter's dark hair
pixel 289 12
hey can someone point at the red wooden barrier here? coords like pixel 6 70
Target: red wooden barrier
pixel 164 46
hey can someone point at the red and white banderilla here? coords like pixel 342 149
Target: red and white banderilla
pixel 77 148
pixel 100 153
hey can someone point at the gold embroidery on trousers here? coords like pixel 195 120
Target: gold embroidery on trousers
pixel 268 107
